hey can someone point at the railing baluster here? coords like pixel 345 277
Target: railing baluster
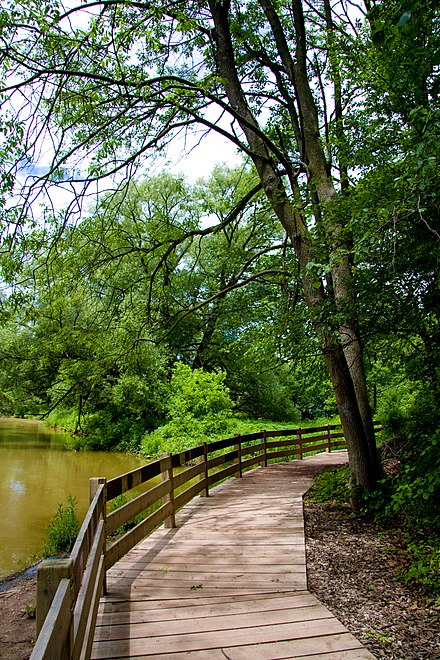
pixel 94 484
pixel 239 472
pixel 329 440
pixel 264 450
pixel 167 475
pixel 204 474
pixel 300 448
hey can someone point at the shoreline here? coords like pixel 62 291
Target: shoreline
pixel 10 581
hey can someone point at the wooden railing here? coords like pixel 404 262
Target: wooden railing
pixel 69 590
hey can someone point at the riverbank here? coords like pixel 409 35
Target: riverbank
pixel 17 603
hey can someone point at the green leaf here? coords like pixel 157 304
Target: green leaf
pixel 378 37
pixel 404 18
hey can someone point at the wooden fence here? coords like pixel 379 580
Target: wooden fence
pixel 69 590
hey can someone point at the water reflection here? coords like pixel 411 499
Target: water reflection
pixel 37 473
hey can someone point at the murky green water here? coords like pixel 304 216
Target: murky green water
pixel 37 473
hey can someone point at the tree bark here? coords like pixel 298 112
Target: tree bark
pixel 361 452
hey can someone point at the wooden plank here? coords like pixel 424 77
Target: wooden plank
pixel 111 603
pixel 188 474
pixel 53 639
pixel 251 449
pixel 290 442
pixel 320 447
pixel 170 566
pixel 215 623
pixel 86 535
pixel 166 580
pixel 134 478
pixel 185 496
pixel 133 536
pixel 187 455
pixel 84 603
pixel 184 610
pixel 213 555
pixel 119 648
pixel 86 647
pixel 221 474
pixel 302 649
pixel 249 462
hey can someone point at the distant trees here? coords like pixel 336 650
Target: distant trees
pixel 163 274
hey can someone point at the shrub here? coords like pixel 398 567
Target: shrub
pixel 424 563
pixel 62 529
pixel 199 409
pixel 334 485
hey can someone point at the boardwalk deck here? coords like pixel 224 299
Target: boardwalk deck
pixel 228 582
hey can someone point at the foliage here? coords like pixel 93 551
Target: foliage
pixel 30 611
pixel 333 485
pixel 394 406
pixel 328 243
pixel 62 529
pixel 410 495
pixel 424 563
pixel 267 395
pixel 7 404
pixel 198 408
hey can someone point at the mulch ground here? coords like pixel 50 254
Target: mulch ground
pixel 353 569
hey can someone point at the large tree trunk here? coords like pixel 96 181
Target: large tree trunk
pixel 342 277
pixel 361 454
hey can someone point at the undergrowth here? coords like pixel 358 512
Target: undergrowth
pixel 407 500
pixel 333 485
pixel 62 529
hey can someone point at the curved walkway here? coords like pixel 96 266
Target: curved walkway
pixel 228 582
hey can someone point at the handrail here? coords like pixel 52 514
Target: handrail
pixel 69 590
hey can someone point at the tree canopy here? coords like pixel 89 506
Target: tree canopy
pixel 336 108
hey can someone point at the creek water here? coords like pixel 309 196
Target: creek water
pixel 36 474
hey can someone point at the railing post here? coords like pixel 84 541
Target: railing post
pixel 299 436
pixel 239 472
pixel 49 575
pixel 94 484
pixel 264 450
pixel 329 440
pixel 204 475
pixel 167 475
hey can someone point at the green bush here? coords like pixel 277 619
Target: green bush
pixel 334 485
pixel 62 529
pixel 410 496
pixel 265 395
pixel 7 404
pixel 196 393
pixel 396 404
pixel 424 563
pixel 199 409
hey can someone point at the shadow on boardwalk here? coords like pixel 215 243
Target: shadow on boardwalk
pixel 228 582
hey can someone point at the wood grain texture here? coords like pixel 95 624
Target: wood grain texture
pixel 229 581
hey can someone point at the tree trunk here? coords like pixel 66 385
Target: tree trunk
pixel 360 451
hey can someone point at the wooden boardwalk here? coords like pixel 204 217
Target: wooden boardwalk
pixel 228 582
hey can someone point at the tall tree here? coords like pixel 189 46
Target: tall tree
pixel 110 82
